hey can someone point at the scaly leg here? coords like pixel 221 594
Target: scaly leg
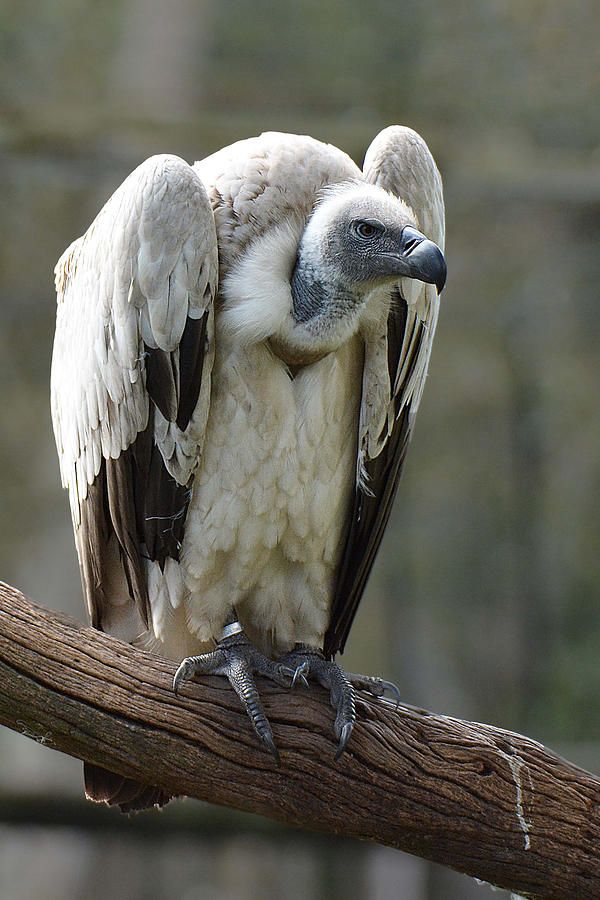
pixel 239 660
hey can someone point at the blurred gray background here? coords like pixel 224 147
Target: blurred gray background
pixel 483 603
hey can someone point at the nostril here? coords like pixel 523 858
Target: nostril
pixel 411 238
pixel 411 244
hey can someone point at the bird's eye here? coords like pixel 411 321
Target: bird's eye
pixel 366 229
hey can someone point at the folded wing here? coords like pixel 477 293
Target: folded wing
pixel 395 368
pixel 131 371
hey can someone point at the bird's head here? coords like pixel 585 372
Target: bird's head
pixel 360 237
pixel 310 290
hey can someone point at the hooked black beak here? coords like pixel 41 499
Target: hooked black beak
pixel 424 259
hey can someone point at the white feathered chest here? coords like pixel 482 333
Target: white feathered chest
pixel 271 496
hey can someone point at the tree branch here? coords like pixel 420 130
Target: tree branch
pixel 487 802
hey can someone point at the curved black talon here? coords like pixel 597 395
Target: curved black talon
pixel 237 659
pixel 344 738
pixel 300 674
pixel 311 662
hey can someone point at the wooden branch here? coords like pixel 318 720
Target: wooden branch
pixel 487 802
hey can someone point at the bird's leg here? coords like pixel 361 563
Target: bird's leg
pixel 310 661
pixel 235 657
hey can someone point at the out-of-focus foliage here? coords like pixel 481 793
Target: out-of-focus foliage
pixel 484 602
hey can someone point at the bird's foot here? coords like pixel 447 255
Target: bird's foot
pixel 311 662
pixel 374 685
pixel 239 660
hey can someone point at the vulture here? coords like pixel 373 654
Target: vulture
pixel 241 347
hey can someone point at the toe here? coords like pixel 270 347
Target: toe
pixel 243 683
pixel 377 687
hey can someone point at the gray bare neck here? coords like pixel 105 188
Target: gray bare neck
pixel 317 299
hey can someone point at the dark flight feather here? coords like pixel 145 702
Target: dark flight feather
pixel 192 350
pixel 135 501
pixel 103 786
pixel 372 508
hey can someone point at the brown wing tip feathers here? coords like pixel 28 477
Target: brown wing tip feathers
pixel 102 786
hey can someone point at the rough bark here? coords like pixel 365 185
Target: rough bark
pixel 487 802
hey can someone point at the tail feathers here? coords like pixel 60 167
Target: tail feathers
pixel 130 796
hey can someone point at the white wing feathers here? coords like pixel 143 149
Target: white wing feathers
pixel 128 286
pixel 399 161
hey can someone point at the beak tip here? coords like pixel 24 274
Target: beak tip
pixel 425 259
pixel 441 279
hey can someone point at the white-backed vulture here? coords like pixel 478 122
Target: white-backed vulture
pixel 240 352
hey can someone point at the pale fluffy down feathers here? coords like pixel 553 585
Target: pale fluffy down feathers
pixel 204 473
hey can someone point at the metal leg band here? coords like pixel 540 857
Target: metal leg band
pixel 230 630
